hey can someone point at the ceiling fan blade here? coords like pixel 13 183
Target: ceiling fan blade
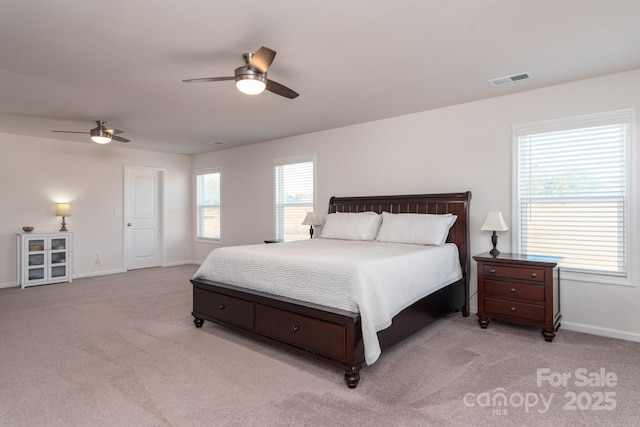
pixel 119 138
pixel 113 131
pixel 281 90
pixel 261 60
pixel 68 131
pixel 208 79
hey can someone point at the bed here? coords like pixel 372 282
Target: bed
pixel 332 330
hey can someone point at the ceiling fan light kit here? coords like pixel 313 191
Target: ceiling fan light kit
pixel 101 139
pixel 99 134
pixel 249 81
pixel 251 78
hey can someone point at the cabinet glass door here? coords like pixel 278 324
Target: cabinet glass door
pixel 58 258
pixel 36 273
pixel 59 271
pixel 36 260
pixel 36 245
pixel 58 244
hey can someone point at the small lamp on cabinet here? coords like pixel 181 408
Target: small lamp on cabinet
pixel 63 210
pixel 311 219
pixel 494 222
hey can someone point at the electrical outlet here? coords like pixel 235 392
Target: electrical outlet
pixel 97 258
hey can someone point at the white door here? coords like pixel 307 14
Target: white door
pixel 143 217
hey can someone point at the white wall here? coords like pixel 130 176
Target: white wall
pixel 35 173
pixel 416 154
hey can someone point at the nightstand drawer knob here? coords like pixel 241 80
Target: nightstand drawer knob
pixel 533 275
pixel 492 271
pixel 296 328
pixel 221 307
pixel 512 309
pixel 512 290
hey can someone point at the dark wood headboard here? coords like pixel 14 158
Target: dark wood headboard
pixel 453 203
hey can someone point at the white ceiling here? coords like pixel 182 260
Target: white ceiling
pixel 66 63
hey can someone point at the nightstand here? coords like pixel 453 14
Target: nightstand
pixel 523 289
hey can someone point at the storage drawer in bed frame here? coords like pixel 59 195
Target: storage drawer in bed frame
pixel 331 335
pixel 225 309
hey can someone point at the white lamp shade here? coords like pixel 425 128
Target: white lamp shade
pixel 63 209
pixel 311 219
pixel 494 222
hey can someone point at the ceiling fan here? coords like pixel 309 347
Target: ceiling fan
pixel 100 134
pixel 251 78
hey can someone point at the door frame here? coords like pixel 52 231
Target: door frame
pixel 161 194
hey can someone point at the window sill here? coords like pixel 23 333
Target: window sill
pixel 209 241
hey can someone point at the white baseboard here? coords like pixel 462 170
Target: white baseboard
pixel 105 272
pixel 122 270
pixel 590 329
pixel 9 285
pixel 604 332
pixel 176 263
pixel 97 273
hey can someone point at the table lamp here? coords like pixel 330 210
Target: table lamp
pixel 63 210
pixel 311 219
pixel 494 222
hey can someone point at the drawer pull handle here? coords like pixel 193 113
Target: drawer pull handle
pixel 533 275
pixel 221 307
pixel 296 328
pixel 512 309
pixel 492 271
pixel 512 290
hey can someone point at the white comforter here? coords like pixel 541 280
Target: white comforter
pixel 377 280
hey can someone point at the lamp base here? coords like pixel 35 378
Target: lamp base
pixel 311 231
pixel 494 241
pixel 64 225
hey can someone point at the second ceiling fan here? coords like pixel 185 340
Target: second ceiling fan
pixel 251 78
pixel 100 134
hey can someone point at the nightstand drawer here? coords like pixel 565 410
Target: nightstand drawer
pixel 514 309
pixel 519 273
pixel 514 290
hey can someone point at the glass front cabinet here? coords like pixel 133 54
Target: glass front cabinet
pixel 43 258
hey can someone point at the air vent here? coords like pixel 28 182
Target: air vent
pixel 510 79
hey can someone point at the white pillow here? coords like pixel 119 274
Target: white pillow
pixel 419 229
pixel 351 226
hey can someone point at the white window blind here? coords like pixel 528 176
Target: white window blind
pixel 572 192
pixel 208 204
pixel 294 188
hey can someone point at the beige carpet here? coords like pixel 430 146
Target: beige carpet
pixel 122 350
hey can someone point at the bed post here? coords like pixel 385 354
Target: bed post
pixel 466 264
pixel 352 377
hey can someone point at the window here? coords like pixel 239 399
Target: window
pixel 573 180
pixel 208 204
pixel 294 188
